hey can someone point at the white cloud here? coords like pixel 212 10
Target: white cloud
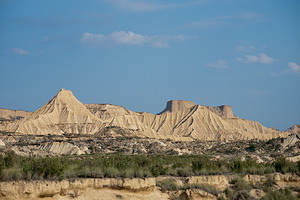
pixel 93 38
pixel 219 64
pixel 242 49
pixel 293 67
pixel 128 38
pixel 160 44
pixel 20 51
pixel 260 58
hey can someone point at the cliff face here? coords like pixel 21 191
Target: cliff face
pixel 181 120
pixel 177 105
pixel 224 111
pixel 135 188
pixel 108 188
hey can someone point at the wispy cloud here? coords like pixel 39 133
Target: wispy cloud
pixel 149 6
pixel 137 5
pixel 245 49
pixel 20 51
pixel 219 64
pixel 242 16
pixel 128 38
pixel 260 58
pixel 224 20
pixel 53 39
pixel 293 67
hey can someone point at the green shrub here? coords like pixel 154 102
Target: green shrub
pixel 240 184
pixel 111 172
pixel 282 165
pixel 184 172
pixel 120 165
pixel 268 184
pixel 207 188
pixel 167 184
pixel 127 173
pixel 285 194
pixel 11 174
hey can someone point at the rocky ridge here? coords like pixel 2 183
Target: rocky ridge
pixel 261 151
pixel 181 120
pixel 295 129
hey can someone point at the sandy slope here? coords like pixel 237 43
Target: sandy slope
pixel 181 120
pixel 13 114
pixel 62 114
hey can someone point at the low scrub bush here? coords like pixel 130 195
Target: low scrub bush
pixel 111 172
pixel 167 184
pixel 280 194
pixel 13 167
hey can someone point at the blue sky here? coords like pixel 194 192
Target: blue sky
pixel 140 54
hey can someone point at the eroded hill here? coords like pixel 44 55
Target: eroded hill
pixel 181 120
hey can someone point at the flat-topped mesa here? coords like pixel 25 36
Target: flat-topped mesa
pixel 226 111
pixel 223 111
pixel 177 105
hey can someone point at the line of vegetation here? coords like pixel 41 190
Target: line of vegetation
pixel 14 167
pixel 238 189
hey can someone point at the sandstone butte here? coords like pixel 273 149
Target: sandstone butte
pixel 180 120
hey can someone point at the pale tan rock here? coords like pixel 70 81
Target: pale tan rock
pixel 2 144
pixel 107 111
pixel 181 120
pixel 62 114
pixel 177 105
pixel 136 188
pixel 295 129
pixel 198 194
pixel 61 148
pixel 13 114
pixel 82 189
pixel 256 193
pixel 224 111
pixel 255 178
pixel 290 140
pixel 294 158
pixel 218 181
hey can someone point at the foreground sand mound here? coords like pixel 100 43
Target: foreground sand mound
pixel 180 120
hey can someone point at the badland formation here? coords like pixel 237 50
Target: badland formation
pixel 181 120
pixel 65 127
